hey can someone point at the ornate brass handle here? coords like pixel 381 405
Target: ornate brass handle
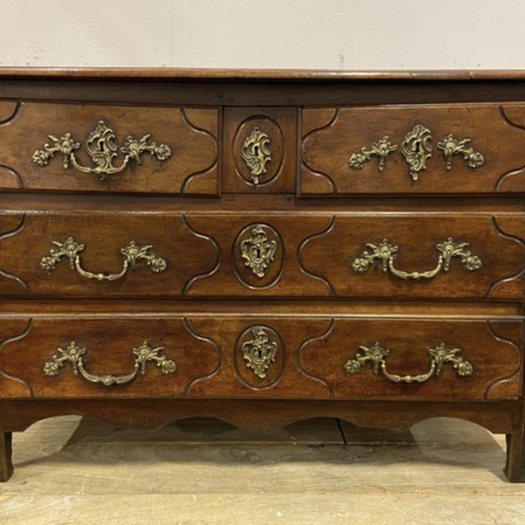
pixel 416 148
pixel 144 354
pixel 70 249
pixel 439 356
pixel 386 253
pixel 102 149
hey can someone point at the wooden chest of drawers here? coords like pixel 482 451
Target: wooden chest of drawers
pixel 262 247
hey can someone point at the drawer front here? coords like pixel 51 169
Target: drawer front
pixel 95 148
pixel 365 256
pixel 67 357
pixel 415 256
pixel 266 357
pixel 368 359
pixel 260 150
pixel 101 255
pixel 454 149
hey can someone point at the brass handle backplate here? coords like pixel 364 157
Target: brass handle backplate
pixel 386 253
pixel 440 355
pixel 102 149
pixel 73 354
pixel 71 249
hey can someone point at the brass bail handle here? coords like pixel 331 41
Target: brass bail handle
pixel 70 250
pixel 385 253
pixel 439 356
pixel 73 354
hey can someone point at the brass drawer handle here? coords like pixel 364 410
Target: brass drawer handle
pixel 451 146
pixel 70 249
pixel 381 149
pixel 102 149
pixel 439 356
pixel 416 148
pixel 144 354
pixel 386 253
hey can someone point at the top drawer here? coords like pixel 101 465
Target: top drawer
pixel 441 149
pixel 128 149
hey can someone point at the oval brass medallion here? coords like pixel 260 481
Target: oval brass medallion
pixel 259 357
pixel 258 256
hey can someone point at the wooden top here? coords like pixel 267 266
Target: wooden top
pixel 256 74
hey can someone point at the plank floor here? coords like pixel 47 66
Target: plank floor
pixel 71 470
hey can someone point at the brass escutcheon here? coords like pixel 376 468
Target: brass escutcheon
pixel 256 154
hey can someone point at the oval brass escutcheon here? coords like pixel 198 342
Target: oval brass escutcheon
pixel 258 256
pixel 258 149
pixel 259 357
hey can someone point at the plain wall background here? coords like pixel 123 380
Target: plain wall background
pixel 317 34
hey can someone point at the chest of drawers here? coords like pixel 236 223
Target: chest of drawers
pixel 262 247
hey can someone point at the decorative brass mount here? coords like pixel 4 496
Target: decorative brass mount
pixel 439 356
pixel 256 154
pixel 259 352
pixel 386 253
pixel 74 354
pixel 381 149
pixel 70 250
pixel 416 148
pixel 257 251
pixel 451 146
pixel 102 149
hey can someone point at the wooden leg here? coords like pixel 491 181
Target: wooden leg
pixel 515 467
pixel 6 464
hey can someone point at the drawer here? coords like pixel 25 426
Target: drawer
pixel 100 255
pixel 89 357
pixel 346 255
pixel 441 149
pixel 229 356
pixel 97 148
pixel 438 256
pixel 259 150
pixel 423 359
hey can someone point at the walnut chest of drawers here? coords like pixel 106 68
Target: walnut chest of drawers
pixel 262 247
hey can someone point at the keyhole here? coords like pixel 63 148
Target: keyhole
pixel 256 150
pixel 418 146
pixel 259 353
pixel 101 146
pixel 258 251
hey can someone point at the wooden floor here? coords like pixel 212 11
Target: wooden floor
pixel 76 471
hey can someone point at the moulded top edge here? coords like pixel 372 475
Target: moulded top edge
pixel 255 74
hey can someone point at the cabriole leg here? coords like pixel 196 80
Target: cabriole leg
pixel 6 463
pixel 515 467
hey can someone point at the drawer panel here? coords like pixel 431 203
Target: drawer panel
pixel 96 148
pixel 364 256
pixel 417 256
pixel 442 149
pixel 286 357
pixel 439 359
pixel 260 150
pixel 89 357
pixel 100 255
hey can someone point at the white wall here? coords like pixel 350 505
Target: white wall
pixel 334 34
